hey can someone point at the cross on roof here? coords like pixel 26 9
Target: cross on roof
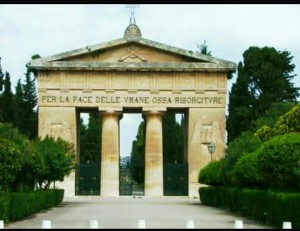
pixel 132 6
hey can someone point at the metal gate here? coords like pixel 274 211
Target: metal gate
pixel 175 179
pixel 88 179
pixel 132 172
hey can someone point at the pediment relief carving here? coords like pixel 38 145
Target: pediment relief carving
pixel 132 54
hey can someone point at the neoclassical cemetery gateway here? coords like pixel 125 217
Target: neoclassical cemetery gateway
pixel 135 74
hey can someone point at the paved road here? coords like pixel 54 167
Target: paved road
pixel 124 212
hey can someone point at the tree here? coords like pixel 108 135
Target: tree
pixel 1 88
pixel 287 123
pixel 263 79
pixel 138 155
pixel 59 158
pixel 173 139
pixel 7 101
pixel 32 164
pixel 1 76
pixel 20 120
pixel 271 115
pixel 90 148
pixel 10 163
pixel 203 49
pixel 30 99
pixel 243 144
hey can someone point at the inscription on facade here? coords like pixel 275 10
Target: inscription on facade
pixel 130 100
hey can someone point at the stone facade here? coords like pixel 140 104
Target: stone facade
pixel 134 73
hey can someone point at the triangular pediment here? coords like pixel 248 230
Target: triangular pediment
pixel 130 53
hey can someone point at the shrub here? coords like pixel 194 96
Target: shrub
pixel 211 174
pixel 245 143
pixel 247 171
pixel 10 163
pixel 279 159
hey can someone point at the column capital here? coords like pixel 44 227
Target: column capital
pixel 111 112
pixel 108 109
pixel 153 112
pixel 159 109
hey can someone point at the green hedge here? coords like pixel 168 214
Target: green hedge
pixel 16 206
pixel 266 206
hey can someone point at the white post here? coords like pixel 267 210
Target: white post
pixel 287 225
pixel 46 224
pixel 238 224
pixel 190 224
pixel 1 224
pixel 141 224
pixel 93 224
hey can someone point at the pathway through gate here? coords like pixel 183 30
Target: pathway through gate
pixel 124 212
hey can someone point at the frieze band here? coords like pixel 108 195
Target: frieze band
pixel 131 100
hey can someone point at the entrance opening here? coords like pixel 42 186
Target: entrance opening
pixel 175 166
pixel 132 154
pixel 89 153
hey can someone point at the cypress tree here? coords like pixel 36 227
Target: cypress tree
pixel 91 140
pixel 7 101
pixel 20 119
pixel 30 109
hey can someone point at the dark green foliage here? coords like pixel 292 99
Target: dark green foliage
pixel 172 139
pixel 289 122
pixel 1 77
pixel 138 145
pixel 33 167
pixel 138 155
pixel 245 143
pixel 267 206
pixel 239 107
pixel 270 117
pixel 263 79
pixel 19 108
pixel 211 174
pixel 279 162
pixel 274 165
pixel 17 206
pixel 90 145
pixel 10 163
pixel 8 132
pixel 203 49
pixel 5 205
pixel 29 112
pixel 247 172
pixel 286 123
pixel 32 164
pixel 59 157
pixel 283 206
pixel 29 91
pixel 7 101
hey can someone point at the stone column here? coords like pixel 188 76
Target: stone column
pixel 153 154
pixel 110 153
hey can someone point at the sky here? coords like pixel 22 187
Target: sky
pixel 227 29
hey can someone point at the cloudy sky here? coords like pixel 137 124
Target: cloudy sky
pixel 228 30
